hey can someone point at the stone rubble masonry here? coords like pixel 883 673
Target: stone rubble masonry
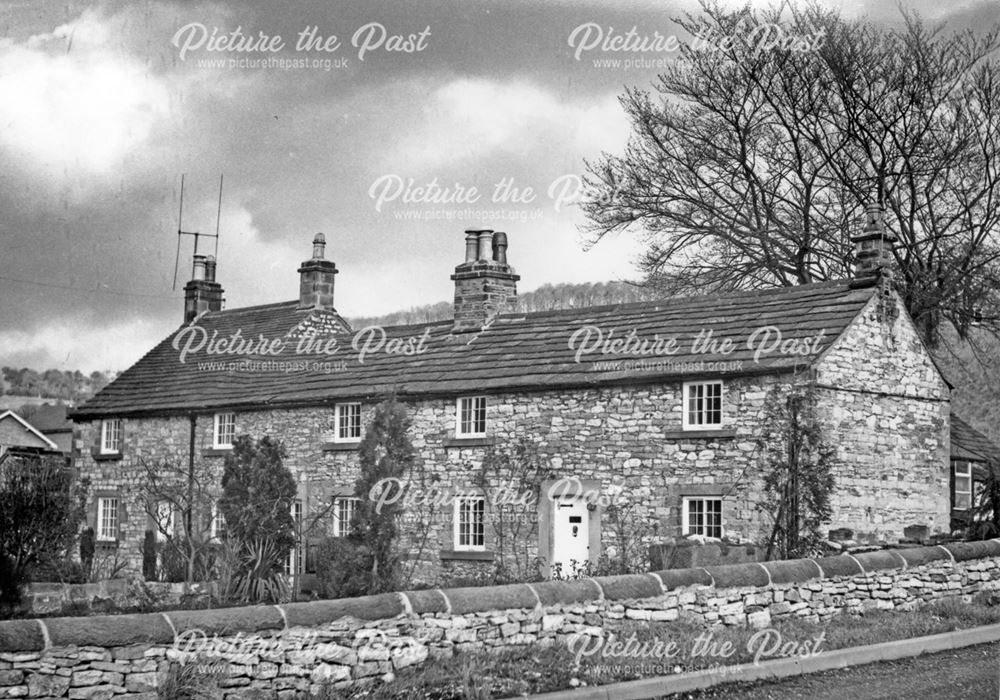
pixel 276 651
pixel 112 596
pixel 884 404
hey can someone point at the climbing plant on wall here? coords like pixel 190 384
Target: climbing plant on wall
pixel 795 460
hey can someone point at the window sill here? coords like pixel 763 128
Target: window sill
pixel 462 555
pixel 341 446
pixel 106 456
pixel 700 434
pixel 480 441
pixel 216 451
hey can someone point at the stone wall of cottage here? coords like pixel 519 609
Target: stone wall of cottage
pixel 887 407
pixel 625 437
pixel 884 402
pixel 279 651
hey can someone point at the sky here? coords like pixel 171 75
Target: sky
pixel 331 116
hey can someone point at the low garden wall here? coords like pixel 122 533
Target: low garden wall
pixel 275 651
pixel 115 595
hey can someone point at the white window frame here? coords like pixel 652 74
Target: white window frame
pixel 686 528
pixel 342 526
pixel 702 410
pixel 217 523
pixel 107 510
pixel 165 513
pixel 293 565
pixel 217 430
pixel 338 410
pixel 970 492
pixel 111 427
pixel 462 508
pixel 473 407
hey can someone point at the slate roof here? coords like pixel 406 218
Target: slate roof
pixel 52 418
pixel 517 352
pixel 970 444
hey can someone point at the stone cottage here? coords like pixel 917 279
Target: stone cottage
pixel 654 408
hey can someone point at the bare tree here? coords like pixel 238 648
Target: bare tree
pixel 180 502
pixel 751 166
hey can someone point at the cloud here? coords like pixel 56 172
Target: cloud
pixel 72 102
pixel 477 118
pixel 70 344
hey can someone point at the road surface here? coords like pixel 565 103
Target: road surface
pixel 965 674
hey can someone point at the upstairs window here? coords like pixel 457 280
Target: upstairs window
pixel 111 436
pixel 347 419
pixel 702 405
pixel 471 416
pixel 225 431
pixel 702 516
pixel 470 523
pixel 107 519
pixel 343 513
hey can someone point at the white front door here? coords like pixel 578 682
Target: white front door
pixel 570 535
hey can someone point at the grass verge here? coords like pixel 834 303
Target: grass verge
pixel 694 646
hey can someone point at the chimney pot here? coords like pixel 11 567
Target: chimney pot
pixel 471 244
pixel 210 268
pixel 319 246
pixel 198 273
pixel 485 244
pixel 500 247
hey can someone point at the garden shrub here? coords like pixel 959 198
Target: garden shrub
pixel 149 556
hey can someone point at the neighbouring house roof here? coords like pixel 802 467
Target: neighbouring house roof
pixel 16 432
pixel 52 418
pixel 517 351
pixel 969 444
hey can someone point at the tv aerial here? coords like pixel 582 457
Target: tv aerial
pixel 197 234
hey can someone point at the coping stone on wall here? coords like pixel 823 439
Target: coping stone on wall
pixel 318 612
pixel 21 635
pixel 427 601
pixel 916 556
pixel 792 570
pixel 738 575
pixel 679 578
pixel 127 630
pixel 881 560
pixel 578 591
pixel 228 620
pixel 109 630
pixel 507 597
pixel 839 565
pixel 963 551
pixel 630 586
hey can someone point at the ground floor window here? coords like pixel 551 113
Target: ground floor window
pixel 107 519
pixel 470 523
pixel 294 563
pixel 961 494
pixel 344 509
pixel 702 516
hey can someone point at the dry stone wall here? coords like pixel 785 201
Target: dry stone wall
pixel 279 651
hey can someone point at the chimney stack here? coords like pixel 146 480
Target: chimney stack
pixel 316 278
pixel 485 285
pixel 202 293
pixel 873 248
